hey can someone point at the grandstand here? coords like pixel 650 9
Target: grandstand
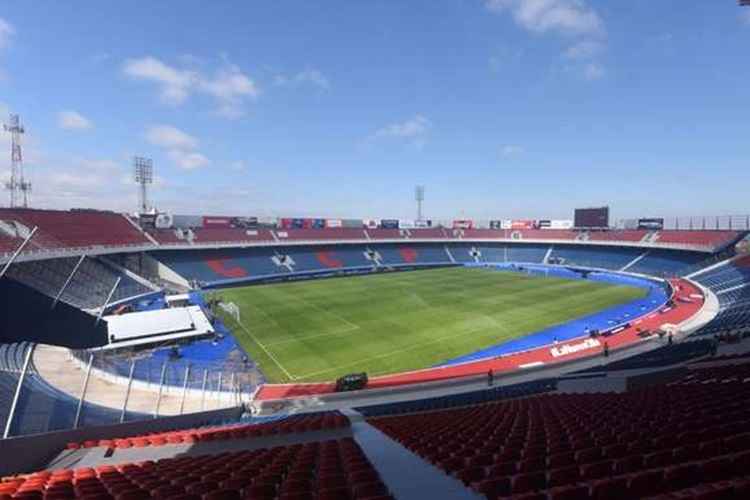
pixel 95 403
pixel 284 314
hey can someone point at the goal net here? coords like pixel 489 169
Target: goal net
pixel 232 309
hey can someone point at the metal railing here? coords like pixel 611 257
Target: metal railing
pixel 100 390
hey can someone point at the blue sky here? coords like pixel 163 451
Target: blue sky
pixel 501 108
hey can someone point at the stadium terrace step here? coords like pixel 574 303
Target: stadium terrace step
pixel 76 228
pixel 644 442
pixel 326 470
pixel 290 425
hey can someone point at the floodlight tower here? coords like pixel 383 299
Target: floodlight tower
pixel 19 188
pixel 144 175
pixel 419 198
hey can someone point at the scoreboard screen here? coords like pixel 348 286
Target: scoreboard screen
pixel 592 217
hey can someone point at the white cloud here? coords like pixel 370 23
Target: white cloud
pixel 230 83
pixel 593 71
pixel 6 32
pixel 170 137
pixel 83 182
pixel 72 120
pixel 179 145
pixel 175 83
pixel 412 129
pixel 565 17
pixel 188 160
pixel 512 150
pixel 570 19
pixel 229 86
pixel 309 76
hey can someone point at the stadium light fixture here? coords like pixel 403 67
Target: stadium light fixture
pixel 144 175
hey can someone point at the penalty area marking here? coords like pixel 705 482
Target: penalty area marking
pixel 273 358
pixel 335 333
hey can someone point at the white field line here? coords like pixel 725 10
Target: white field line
pixel 268 317
pixel 394 352
pixel 324 334
pixel 318 308
pixel 270 355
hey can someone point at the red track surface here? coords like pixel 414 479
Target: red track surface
pixel 688 300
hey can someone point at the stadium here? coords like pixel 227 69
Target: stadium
pixel 158 353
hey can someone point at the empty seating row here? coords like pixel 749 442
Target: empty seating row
pixel 8 244
pixel 430 233
pixel 292 424
pixel 624 235
pixel 667 263
pixel 700 238
pixel 328 470
pixel 217 265
pixel 731 284
pixel 664 356
pixel 646 442
pixel 597 257
pixel 76 228
pixel 88 288
pixel 464 399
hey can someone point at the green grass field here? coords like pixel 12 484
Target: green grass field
pixel 318 330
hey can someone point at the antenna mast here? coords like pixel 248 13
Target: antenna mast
pixel 18 186
pixel 144 175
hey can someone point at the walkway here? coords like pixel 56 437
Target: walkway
pixel 407 475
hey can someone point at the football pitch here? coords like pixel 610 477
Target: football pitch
pixel 318 330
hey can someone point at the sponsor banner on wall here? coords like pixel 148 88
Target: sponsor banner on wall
pixel 562 224
pixel 555 224
pixel 317 223
pixel 463 224
pixel 572 348
pixel 406 224
pixel 334 223
pixel 496 224
pixel 214 221
pixel 285 223
pixel 523 224
pixel 298 223
pixel 389 223
pixel 371 223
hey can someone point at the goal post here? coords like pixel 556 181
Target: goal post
pixel 232 309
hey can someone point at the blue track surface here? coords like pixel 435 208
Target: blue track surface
pixel 206 354
pixel 603 320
